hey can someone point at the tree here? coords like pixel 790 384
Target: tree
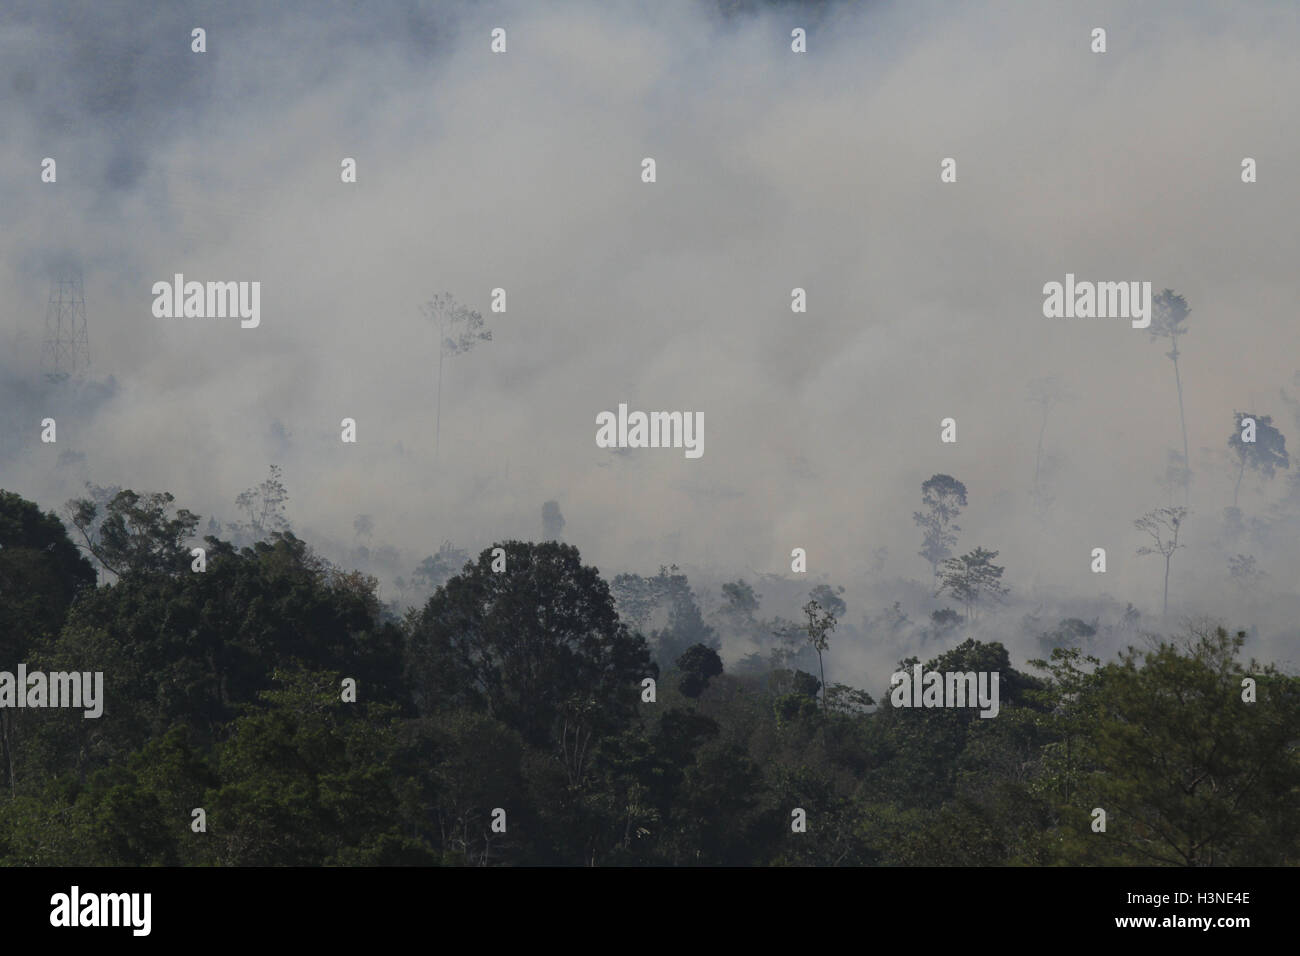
pixel 1169 312
pixel 944 497
pixel 264 506
pixel 667 597
pixel 1163 525
pixel 1245 571
pixel 741 604
pixel 434 570
pixel 135 532
pixel 363 526
pixel 820 623
pixel 459 330
pixel 1189 775
pixel 971 578
pixel 1046 393
pixel 552 521
pixel 520 643
pixel 302 777
pixel 1265 454
pixel 193 648
pixel 41 573
pixel 943 622
pixel 829 598
pixel 1071 632
pixel 636 598
pixel 698 665
pixel 1176 474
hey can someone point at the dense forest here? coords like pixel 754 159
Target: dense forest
pixel 526 714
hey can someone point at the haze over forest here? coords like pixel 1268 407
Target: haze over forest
pixel 775 171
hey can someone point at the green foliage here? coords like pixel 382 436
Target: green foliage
pixel 519 690
pixel 1187 771
pixel 41 572
pixel 518 644
pixel 698 665
pixel 135 533
pixel 668 597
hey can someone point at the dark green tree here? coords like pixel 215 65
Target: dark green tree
pixel 522 642
pixel 135 532
pixel 698 665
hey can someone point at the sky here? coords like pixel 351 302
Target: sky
pixel 774 170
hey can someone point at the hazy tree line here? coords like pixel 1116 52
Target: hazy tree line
pixel 525 690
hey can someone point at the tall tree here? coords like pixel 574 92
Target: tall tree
pixel 459 330
pixel 944 497
pixel 1263 455
pixel 820 623
pixel 1044 393
pixel 1169 312
pixel 1163 525
pixel 972 578
pixel 552 521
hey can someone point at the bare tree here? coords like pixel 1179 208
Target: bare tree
pixel 1046 393
pixel 459 330
pixel 1163 525
pixel 264 505
pixel 820 623
pixel 1168 313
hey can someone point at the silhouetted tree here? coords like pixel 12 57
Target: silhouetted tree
pixel 1163 525
pixel 459 330
pixel 1169 312
pixel 944 497
pixel 1263 455
pixel 552 521
pixel 698 665
pixel 972 578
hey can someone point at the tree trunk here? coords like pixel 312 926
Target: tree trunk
pixel 1167 559
pixel 823 672
pixel 1187 461
pixel 1240 474
pixel 437 426
pixel 1038 457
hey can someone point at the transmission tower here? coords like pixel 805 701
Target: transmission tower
pixel 66 351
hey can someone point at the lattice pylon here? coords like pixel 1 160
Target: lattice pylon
pixel 66 350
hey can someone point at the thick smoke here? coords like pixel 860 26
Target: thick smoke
pixel 775 171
